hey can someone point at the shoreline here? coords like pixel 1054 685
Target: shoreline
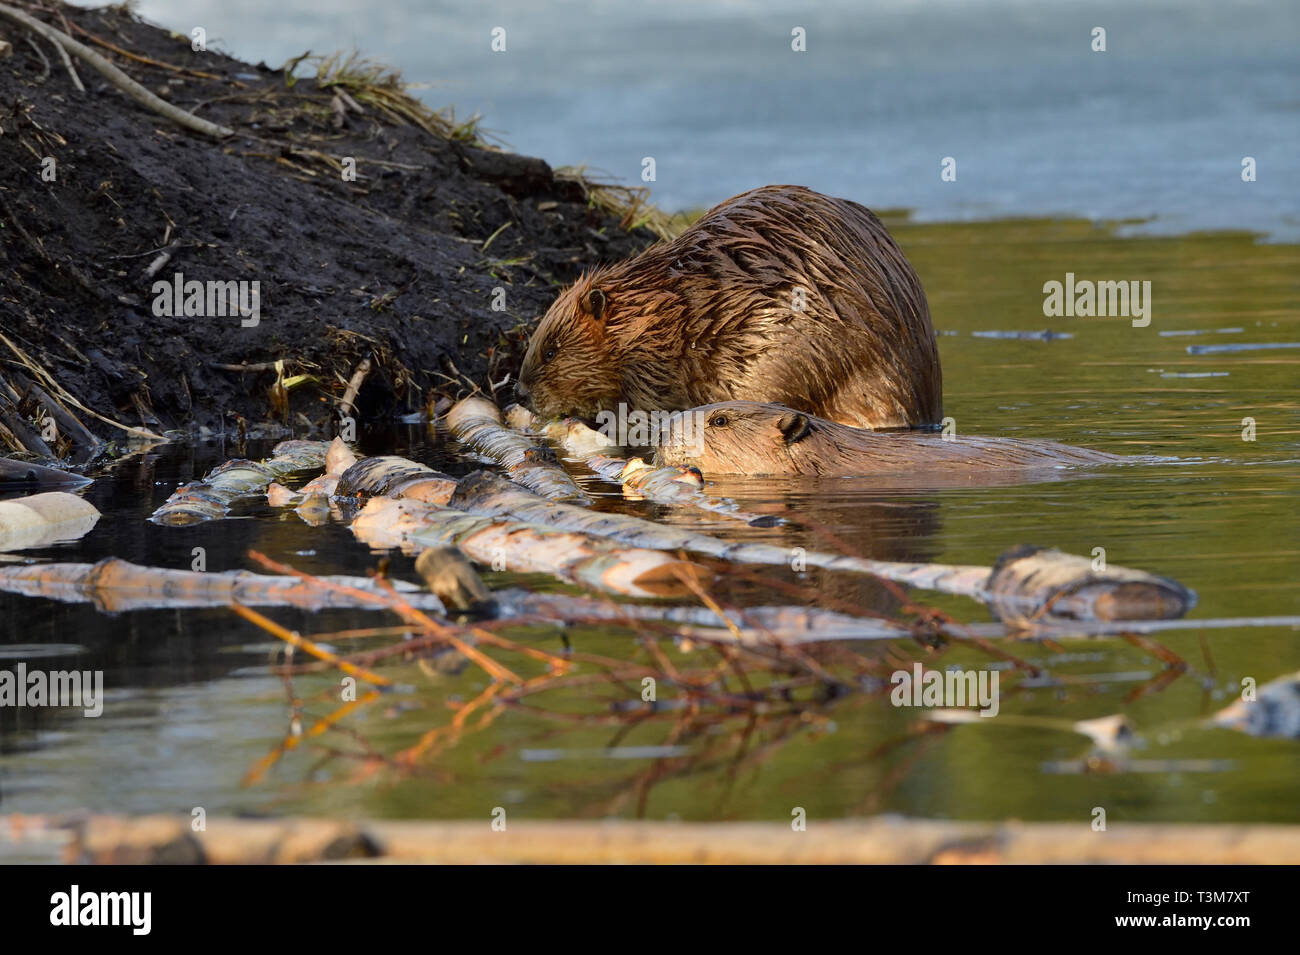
pixel 879 840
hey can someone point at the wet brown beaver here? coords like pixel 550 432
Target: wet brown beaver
pixel 746 437
pixel 714 315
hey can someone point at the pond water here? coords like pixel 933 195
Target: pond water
pixel 192 703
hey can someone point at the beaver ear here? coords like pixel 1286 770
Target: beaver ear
pixel 794 426
pixel 594 302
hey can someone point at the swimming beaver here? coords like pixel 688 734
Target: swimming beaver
pixel 747 437
pixel 710 316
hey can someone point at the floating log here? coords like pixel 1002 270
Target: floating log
pixel 679 486
pixel 476 423
pixel 312 500
pixel 488 494
pixel 390 476
pixel 1029 582
pixel 569 433
pixel 25 475
pixel 209 499
pixel 42 519
pixel 1274 711
pixel 584 559
pixel 803 625
pixel 114 585
pixel 172 840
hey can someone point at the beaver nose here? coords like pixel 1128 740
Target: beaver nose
pixel 521 393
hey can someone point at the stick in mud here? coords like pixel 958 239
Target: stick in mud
pixel 130 87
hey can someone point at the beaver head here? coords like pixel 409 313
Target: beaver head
pixel 569 367
pixel 739 437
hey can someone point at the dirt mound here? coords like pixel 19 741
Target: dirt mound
pixel 404 264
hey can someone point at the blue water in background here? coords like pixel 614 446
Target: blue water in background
pixel 1153 129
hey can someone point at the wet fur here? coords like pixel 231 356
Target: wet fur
pixel 708 318
pixel 769 439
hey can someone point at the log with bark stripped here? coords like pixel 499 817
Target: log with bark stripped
pixel 312 501
pixel 476 423
pixel 390 476
pixel 25 475
pixel 209 499
pixel 674 486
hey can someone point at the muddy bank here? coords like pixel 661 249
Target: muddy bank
pixel 403 265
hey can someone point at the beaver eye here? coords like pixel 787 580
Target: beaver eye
pixel 718 421
pixel 550 353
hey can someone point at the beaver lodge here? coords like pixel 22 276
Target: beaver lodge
pixel 289 260
pixel 430 261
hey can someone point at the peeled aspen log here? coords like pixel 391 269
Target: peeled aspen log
pixel 449 574
pixel 44 519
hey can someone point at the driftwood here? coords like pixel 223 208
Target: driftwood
pixel 171 840
pixel 389 476
pixel 488 494
pixel 804 625
pixel 65 44
pixel 26 475
pixel 43 519
pixel 585 559
pixel 210 498
pixel 448 573
pixel 674 486
pixel 114 585
pixel 1275 710
pixel 476 423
